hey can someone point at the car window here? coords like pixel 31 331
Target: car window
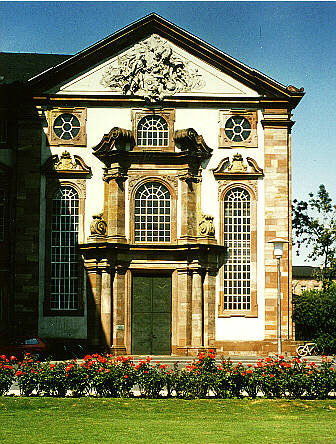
pixel 31 341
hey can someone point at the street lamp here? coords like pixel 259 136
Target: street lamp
pixel 278 244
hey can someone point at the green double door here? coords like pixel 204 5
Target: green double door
pixel 151 315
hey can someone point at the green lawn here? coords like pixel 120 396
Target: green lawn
pixel 89 420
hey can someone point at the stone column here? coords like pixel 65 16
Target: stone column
pixel 197 309
pixel 209 304
pixel 94 281
pixel 114 210
pixel 106 318
pixel 119 311
pixel 184 311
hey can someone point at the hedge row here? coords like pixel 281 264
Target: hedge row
pixel 108 376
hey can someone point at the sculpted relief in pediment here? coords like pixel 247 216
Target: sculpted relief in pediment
pixel 151 70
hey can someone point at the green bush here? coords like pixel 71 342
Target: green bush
pixel 6 373
pixel 116 377
pixel 28 375
pixel 314 314
pixel 52 379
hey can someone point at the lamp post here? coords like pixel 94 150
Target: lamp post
pixel 278 244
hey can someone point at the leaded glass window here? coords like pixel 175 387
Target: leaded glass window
pixel 153 131
pixel 152 213
pixel 238 129
pixel 64 259
pixel 66 126
pixel 237 238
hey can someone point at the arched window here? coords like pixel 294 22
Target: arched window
pixel 152 131
pixel 64 274
pixel 152 213
pixel 237 238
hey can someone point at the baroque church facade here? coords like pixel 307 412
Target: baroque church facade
pixel 141 181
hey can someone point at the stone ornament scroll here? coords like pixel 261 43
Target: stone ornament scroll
pixel 98 226
pixel 206 226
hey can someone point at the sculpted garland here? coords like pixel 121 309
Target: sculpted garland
pixel 152 71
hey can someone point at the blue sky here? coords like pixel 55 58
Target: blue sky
pixel 292 42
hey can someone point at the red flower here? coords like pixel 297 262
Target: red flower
pixel 126 376
pixel 146 371
pixel 18 373
pixel 12 358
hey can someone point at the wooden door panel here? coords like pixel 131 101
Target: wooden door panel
pixel 151 315
pixel 161 301
pixel 142 333
pixel 161 327
pixel 142 295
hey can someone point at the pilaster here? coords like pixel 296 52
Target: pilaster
pixel 209 304
pixel 277 127
pixel 94 306
pixel 197 309
pixel 119 311
pixel 106 306
pixel 114 207
pixel 184 319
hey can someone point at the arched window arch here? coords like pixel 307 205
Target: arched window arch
pixel 152 131
pixel 64 270
pixel 237 238
pixel 152 213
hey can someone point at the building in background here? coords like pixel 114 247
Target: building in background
pixel 140 183
pixel 304 279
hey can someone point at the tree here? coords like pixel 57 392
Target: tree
pixel 314 314
pixel 314 226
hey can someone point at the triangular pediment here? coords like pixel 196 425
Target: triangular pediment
pixel 154 67
pixel 154 54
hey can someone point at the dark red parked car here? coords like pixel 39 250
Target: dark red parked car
pixel 18 347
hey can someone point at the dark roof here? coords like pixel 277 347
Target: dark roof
pixel 23 66
pixel 303 271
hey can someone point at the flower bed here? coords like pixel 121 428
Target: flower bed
pixel 109 376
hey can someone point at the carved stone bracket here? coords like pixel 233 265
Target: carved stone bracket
pixel 116 139
pixel 189 140
pixel 118 174
pixel 222 184
pixel 98 226
pixel 206 226
pixel 190 178
pixel 152 71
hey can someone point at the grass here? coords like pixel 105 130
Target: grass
pixel 90 420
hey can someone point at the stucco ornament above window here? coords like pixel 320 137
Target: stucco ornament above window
pixel 152 71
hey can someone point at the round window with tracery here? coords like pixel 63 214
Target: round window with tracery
pixel 238 129
pixel 66 126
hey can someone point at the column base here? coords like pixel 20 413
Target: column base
pixel 192 351
pixel 117 350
